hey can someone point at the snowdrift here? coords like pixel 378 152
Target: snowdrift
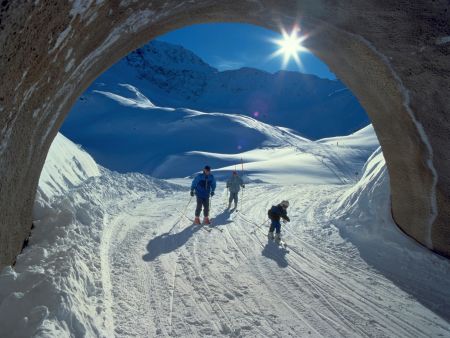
pixel 368 199
pixel 362 215
pixel 66 166
pixel 59 286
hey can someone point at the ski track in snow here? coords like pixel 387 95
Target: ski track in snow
pixel 169 278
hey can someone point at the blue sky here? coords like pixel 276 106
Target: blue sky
pixel 231 46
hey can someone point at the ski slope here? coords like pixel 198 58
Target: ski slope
pixel 172 278
pixel 116 255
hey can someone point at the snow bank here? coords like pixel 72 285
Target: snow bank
pixel 363 217
pixel 66 166
pixel 363 212
pixel 57 288
pixel 368 200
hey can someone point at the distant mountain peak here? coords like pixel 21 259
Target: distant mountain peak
pixel 173 76
pixel 169 56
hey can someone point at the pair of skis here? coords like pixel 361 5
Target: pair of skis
pixel 208 227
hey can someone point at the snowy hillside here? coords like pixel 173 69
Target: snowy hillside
pixel 66 166
pixel 125 131
pixel 118 255
pixel 172 76
pixel 58 288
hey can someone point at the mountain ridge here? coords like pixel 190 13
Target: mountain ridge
pixel 172 76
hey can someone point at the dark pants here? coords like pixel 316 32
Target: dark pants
pixel 275 225
pixel 233 196
pixel 202 202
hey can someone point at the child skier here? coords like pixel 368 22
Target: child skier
pixel 275 214
pixel 203 186
pixel 234 184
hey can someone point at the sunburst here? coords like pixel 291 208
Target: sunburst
pixel 290 46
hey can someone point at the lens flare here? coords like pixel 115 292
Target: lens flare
pixel 290 46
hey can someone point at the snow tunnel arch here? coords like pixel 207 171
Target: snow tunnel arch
pixel 392 55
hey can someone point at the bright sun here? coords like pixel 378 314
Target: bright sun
pixel 290 46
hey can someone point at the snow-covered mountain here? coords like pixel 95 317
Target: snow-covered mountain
pixel 172 76
pixel 125 131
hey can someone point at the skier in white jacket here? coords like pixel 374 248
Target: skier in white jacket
pixel 234 184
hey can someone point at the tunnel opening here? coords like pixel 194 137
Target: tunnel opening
pixel 136 106
pixel 73 49
pixel 356 57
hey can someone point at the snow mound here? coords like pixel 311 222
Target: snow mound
pixel 364 137
pixel 66 166
pixel 363 216
pixel 369 198
pixel 140 101
pixel 58 287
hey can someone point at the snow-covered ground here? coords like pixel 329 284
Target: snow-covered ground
pixel 125 131
pixel 117 254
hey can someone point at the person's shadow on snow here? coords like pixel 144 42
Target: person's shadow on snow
pixel 222 219
pixel 168 242
pixel 273 251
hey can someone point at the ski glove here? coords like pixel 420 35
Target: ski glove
pixel 212 193
pixel 243 186
pixel 192 192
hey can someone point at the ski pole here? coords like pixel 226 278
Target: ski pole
pixel 209 207
pixel 242 172
pixel 187 205
pixel 183 214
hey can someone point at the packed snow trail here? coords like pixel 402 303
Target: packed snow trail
pixel 183 281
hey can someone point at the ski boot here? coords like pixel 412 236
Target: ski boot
pixel 197 220
pixel 206 220
pixel 270 235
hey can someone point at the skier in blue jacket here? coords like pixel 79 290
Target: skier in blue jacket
pixel 275 214
pixel 203 186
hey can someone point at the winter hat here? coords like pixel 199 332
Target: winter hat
pixel 207 168
pixel 284 204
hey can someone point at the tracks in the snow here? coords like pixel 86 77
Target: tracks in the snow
pixel 169 279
